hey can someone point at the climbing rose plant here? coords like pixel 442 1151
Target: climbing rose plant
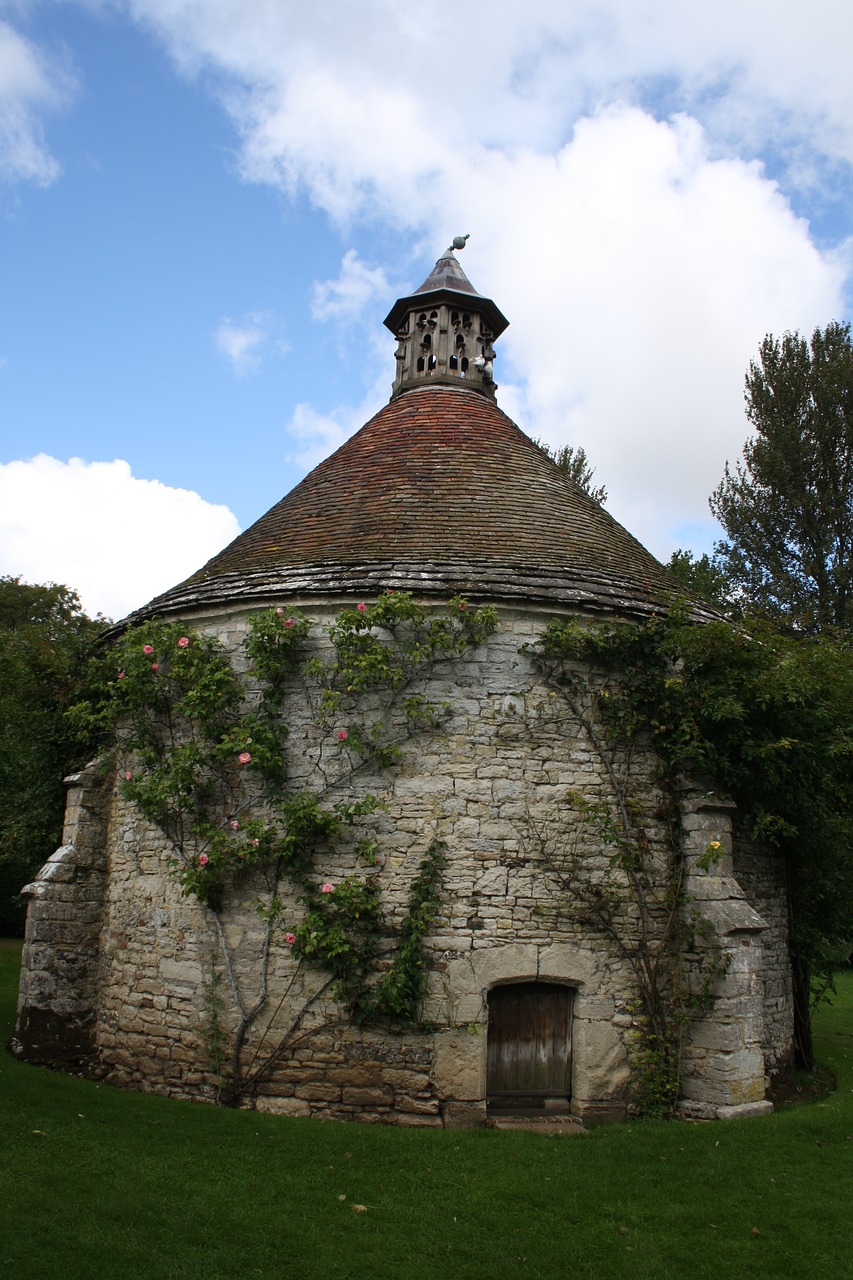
pixel 201 752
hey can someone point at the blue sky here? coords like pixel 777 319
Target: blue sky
pixel 207 207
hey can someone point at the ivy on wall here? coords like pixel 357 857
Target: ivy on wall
pixel 765 717
pixel 616 683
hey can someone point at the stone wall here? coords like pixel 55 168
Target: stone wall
pixel 762 876
pixel 60 964
pixel 492 785
pixel 723 1056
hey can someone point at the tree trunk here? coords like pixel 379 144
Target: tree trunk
pixel 801 974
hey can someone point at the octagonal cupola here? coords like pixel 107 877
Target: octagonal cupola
pixel 445 331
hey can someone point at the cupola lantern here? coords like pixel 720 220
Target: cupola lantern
pixel 445 331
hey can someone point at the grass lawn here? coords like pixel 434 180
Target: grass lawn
pixel 102 1184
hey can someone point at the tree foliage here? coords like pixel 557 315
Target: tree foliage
pixel 574 463
pixel 45 642
pixel 787 509
pixel 702 579
pixel 785 569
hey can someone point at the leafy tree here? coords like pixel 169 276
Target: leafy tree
pixel 574 463
pixel 45 641
pixel 787 509
pixel 702 578
pixel 788 514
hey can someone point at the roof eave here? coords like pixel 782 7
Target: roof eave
pixel 493 316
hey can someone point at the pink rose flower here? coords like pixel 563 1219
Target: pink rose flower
pixel 342 735
pixel 327 888
pixel 148 648
pixel 203 859
pixel 234 824
pixel 121 675
pixel 288 622
pixel 290 938
pixel 127 775
pixel 279 612
pixel 155 667
pixel 361 607
pixel 183 642
pixel 462 606
pixel 244 757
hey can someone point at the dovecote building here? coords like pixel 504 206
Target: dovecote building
pixel 526 1004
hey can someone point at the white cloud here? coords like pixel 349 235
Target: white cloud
pixel 30 84
pixel 242 344
pixel 639 283
pixel 346 298
pixel 518 76
pixel 316 434
pixel 116 540
pixel 639 273
pixel 606 156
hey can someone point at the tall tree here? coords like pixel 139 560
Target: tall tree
pixel 45 641
pixel 787 509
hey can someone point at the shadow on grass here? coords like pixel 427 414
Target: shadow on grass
pixel 803 1087
pixel 97 1182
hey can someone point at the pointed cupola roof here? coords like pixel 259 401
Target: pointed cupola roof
pixel 447 282
pixel 440 492
pixel 448 274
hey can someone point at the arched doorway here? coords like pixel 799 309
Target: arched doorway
pixel 529 1051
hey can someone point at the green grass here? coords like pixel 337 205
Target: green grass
pixel 99 1183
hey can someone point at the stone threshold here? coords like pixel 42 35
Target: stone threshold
pixel 561 1125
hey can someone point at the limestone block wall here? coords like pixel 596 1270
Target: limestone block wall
pixel 762 877
pixel 154 946
pixel 724 1059
pixel 492 784
pixel 58 996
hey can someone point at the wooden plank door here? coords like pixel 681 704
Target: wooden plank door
pixel 529 1043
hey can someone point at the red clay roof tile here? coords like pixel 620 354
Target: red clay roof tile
pixel 439 487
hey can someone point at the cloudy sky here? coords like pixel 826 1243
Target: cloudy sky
pixel 208 206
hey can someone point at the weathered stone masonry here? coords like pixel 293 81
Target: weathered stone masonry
pixel 61 961
pixel 498 770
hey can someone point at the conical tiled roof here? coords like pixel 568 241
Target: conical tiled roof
pixel 439 492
